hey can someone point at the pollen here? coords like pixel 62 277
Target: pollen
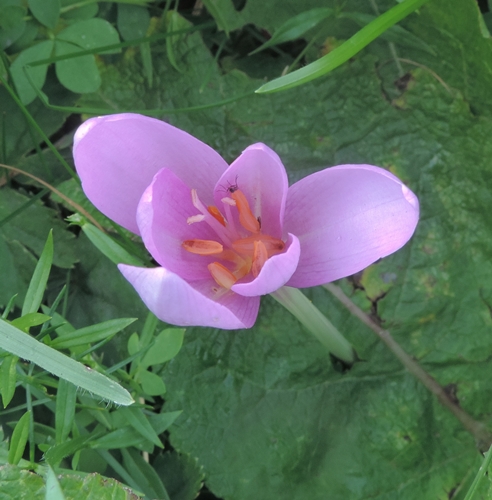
pixel 215 213
pixel 260 256
pixel 246 217
pixel 222 276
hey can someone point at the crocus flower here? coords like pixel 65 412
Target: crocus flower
pixel 225 235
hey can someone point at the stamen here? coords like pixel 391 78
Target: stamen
pixel 228 203
pixel 195 218
pixel 215 213
pixel 260 256
pixel 219 229
pixel 245 246
pixel 202 247
pixel 222 275
pixel 246 217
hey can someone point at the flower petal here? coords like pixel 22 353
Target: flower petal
pixel 346 218
pixel 261 176
pixel 162 220
pixel 275 273
pixel 117 156
pixel 178 302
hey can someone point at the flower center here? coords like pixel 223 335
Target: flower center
pixel 241 250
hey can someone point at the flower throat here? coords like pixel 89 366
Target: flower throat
pixel 242 250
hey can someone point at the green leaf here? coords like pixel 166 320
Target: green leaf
pixel 12 24
pixel 174 23
pixel 46 12
pixel 133 345
pixel 37 286
pixel 345 51
pixel 221 10
pixel 167 345
pixel 104 243
pixel 144 474
pixel 53 488
pixel 136 418
pixel 79 73
pixel 296 27
pixel 35 53
pixel 8 378
pixel 152 384
pixel 133 21
pixel 91 334
pixel 28 320
pixel 91 34
pixel 23 345
pixel 19 439
pixel 57 453
pixel 66 397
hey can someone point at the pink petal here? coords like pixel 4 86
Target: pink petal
pixel 346 218
pixel 175 301
pixel 162 219
pixel 118 155
pixel 260 175
pixel 275 273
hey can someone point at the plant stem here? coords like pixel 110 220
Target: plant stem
pixel 477 429
pixel 304 310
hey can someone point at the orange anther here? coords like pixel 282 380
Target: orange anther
pixel 202 247
pixel 221 275
pixel 246 217
pixel 260 256
pixel 245 246
pixel 215 213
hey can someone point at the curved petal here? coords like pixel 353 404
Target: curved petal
pixel 162 219
pixel 175 301
pixel 346 218
pixel 261 176
pixel 117 156
pixel 275 273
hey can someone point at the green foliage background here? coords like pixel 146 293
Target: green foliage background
pixel 265 413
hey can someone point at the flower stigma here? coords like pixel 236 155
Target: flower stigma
pixel 242 251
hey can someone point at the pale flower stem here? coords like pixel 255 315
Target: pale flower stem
pixel 312 319
pixel 477 429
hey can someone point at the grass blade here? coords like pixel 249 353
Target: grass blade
pixel 347 50
pixel 23 345
pixel 37 286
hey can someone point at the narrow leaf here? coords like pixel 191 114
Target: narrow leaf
pixel 136 418
pixel 19 439
pixel 53 488
pixel 8 378
pixel 37 286
pixel 66 398
pixel 58 452
pixel 31 319
pixel 345 51
pixel 23 345
pixel 91 334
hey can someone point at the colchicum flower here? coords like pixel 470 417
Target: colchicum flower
pixel 225 235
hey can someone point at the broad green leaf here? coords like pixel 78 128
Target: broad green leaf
pixel 91 334
pixel 144 474
pixel 133 21
pixel 12 24
pixel 53 489
pixel 181 474
pixel 66 397
pixel 18 440
pixel 167 345
pixel 8 378
pixel 26 38
pixel 136 418
pixel 345 51
pixel 152 384
pixel 23 345
pixel 35 53
pixel 91 34
pixel 79 73
pixel 37 286
pixel 79 11
pixel 28 320
pixel 46 12
pixel 297 26
pixel 18 483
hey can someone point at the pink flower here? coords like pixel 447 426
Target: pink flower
pixel 225 235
